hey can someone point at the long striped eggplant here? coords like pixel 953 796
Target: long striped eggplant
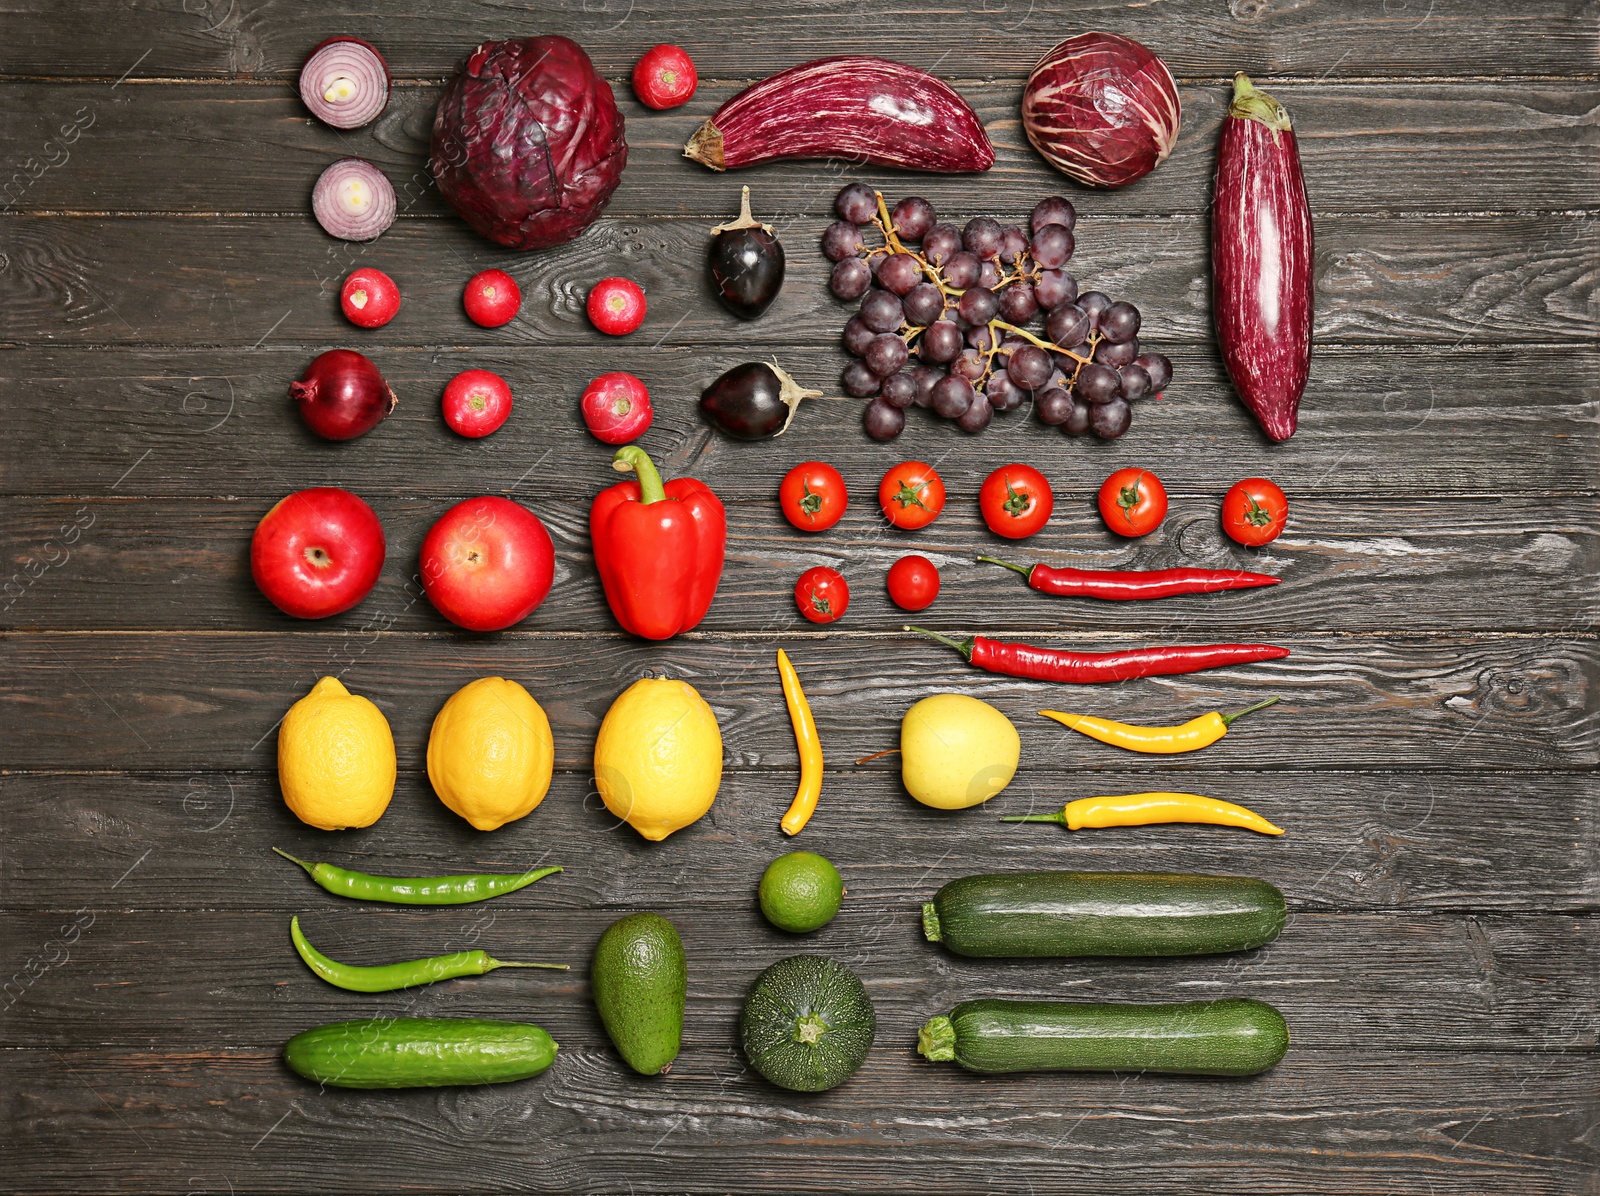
pixel 855 108
pixel 1261 259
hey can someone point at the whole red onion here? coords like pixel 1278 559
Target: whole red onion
pixel 527 142
pixel 342 395
pixel 1102 109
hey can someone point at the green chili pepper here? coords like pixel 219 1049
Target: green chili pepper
pixel 418 890
pixel 409 974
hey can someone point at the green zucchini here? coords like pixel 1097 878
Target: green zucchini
pixel 1035 914
pixel 419 1052
pixel 1231 1037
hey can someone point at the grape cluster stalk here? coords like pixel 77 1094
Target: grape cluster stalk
pixel 944 320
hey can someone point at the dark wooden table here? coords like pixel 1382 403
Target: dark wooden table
pixel 1433 757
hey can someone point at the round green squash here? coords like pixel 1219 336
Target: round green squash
pixel 807 1023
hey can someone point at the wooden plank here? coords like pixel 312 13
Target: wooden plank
pixel 201 423
pixel 1513 564
pixel 1331 38
pixel 1358 1121
pixel 1355 841
pixel 77 146
pixel 1382 981
pixel 243 281
pixel 210 701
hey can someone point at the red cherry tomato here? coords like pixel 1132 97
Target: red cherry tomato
pixel 813 496
pixel 821 594
pixel 1016 501
pixel 616 306
pixel 1254 512
pixel 913 583
pixel 492 298
pixel 369 298
pixel 911 495
pixel 665 77
pixel 616 408
pixel 1133 502
pixel 476 402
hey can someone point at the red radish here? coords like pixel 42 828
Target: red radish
pixel 665 77
pixel 1261 291
pixel 476 402
pixel 852 108
pixel 616 408
pixel 345 82
pixel 342 395
pixel 492 298
pixel 369 298
pixel 616 306
pixel 317 552
pixel 353 200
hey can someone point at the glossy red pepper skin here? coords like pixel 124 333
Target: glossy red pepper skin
pixel 660 561
pixel 1095 668
pixel 1119 585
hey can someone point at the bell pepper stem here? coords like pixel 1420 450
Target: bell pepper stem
pixel 1025 570
pixel 1059 816
pixel 962 646
pixel 294 858
pixel 631 458
pixel 1227 719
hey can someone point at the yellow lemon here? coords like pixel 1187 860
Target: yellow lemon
pixel 335 758
pixel 956 751
pixel 658 759
pixel 490 754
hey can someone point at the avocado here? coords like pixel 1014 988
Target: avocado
pixel 639 980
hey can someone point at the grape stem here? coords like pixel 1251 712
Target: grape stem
pixel 910 332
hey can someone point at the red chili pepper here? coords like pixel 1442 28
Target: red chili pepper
pixel 1126 585
pixel 657 547
pixel 1092 668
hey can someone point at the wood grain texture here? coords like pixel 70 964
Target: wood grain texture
pixel 239 282
pixel 1492 982
pixel 1514 564
pixel 1434 758
pixel 80 147
pixel 1356 841
pixel 1305 38
pixel 204 423
pixel 1368 1123
pixel 211 700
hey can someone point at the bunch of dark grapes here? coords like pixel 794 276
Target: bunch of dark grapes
pixel 945 319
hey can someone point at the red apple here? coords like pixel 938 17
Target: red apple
pixel 318 552
pixel 487 563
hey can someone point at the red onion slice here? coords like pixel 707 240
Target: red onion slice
pixel 345 82
pixel 353 200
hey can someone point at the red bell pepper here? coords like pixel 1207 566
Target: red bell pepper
pixel 658 547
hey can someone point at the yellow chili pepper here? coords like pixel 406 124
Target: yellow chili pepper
pixel 805 738
pixel 1145 809
pixel 1191 736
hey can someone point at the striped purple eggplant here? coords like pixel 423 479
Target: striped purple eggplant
pixel 1102 109
pixel 1261 259
pixel 854 108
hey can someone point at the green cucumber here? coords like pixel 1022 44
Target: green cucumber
pixel 419 1052
pixel 1231 1037
pixel 1036 914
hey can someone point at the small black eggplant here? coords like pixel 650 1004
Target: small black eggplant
pixel 754 401
pixel 746 263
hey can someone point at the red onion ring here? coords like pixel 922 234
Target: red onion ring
pixel 353 200
pixel 345 82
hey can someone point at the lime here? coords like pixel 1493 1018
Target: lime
pixel 801 891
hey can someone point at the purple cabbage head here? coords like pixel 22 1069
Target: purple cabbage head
pixel 527 142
